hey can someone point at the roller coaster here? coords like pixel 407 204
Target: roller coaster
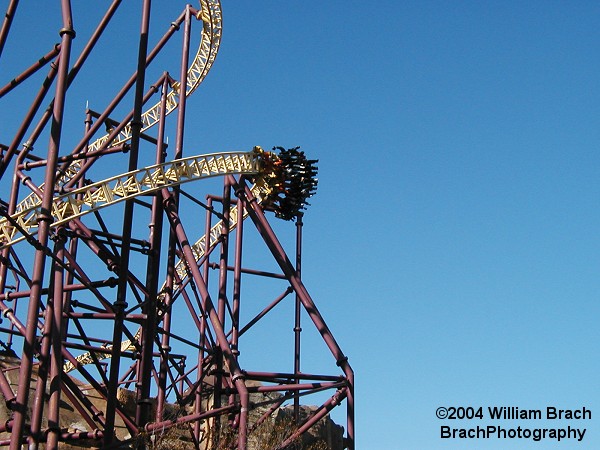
pixel 119 306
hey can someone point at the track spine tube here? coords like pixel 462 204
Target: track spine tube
pixel 237 278
pixel 46 341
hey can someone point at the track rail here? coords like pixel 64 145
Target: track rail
pixel 210 14
pixel 210 41
pixel 61 290
pixel 259 190
pixel 110 191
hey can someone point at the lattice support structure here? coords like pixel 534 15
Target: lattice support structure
pixel 130 292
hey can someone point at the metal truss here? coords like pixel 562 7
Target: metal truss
pixel 94 196
pixel 127 300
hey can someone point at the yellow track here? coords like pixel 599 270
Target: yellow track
pixel 210 40
pixel 260 190
pixel 145 181
pixel 116 189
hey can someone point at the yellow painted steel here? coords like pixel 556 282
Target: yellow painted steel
pixel 150 179
pixel 210 41
pixel 260 190
pixel 116 189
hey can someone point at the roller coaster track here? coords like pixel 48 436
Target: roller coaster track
pixel 260 189
pixel 126 186
pixel 281 183
pixel 210 40
pixel 102 194
pixel 210 14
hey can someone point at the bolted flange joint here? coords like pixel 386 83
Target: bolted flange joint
pixel 67 31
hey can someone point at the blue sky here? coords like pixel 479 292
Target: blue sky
pixel 453 244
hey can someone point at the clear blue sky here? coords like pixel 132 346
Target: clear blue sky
pixel 453 244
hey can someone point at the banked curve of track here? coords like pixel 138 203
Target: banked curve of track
pixel 95 196
pixel 210 40
pixel 260 190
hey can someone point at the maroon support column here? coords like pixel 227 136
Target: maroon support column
pixel 258 218
pixel 44 220
pixel 297 317
pixel 121 302
pixel 56 360
pixel 237 375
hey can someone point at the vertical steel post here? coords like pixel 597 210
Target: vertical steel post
pixel 121 302
pixel 222 299
pixel 181 113
pixel 44 221
pixel 237 278
pixel 157 209
pixel 181 110
pixel 57 303
pixel 149 308
pixel 51 334
pixel 297 317
pixel 56 360
pixel 224 255
pixel 350 405
pixel 39 397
